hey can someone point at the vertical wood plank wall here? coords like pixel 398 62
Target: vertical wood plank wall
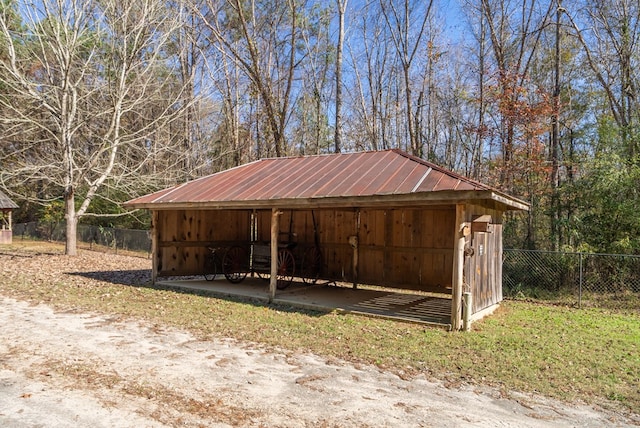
pixel 333 227
pixel 483 269
pixel 185 235
pixel 408 248
pixel 404 248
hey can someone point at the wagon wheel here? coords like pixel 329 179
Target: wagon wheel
pixel 233 264
pixel 211 266
pixel 286 268
pixel 263 276
pixel 311 265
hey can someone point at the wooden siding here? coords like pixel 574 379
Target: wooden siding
pixel 403 248
pixel 408 248
pixel 483 269
pixel 183 237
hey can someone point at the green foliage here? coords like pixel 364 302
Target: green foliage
pixel 51 216
pixel 52 212
pixel 607 217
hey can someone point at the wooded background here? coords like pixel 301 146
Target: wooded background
pixel 104 100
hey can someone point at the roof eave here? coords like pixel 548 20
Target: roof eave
pixel 373 201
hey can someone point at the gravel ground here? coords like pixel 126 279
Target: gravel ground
pixel 63 369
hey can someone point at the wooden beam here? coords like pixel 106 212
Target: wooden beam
pixel 422 199
pixel 387 255
pixel 355 244
pixel 154 246
pixel 275 231
pixel 458 268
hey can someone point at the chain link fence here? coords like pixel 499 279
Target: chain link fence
pixel 108 239
pixel 610 281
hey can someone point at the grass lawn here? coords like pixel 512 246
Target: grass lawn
pixel 571 354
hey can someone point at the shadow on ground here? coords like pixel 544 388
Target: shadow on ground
pixel 317 299
pixel 138 278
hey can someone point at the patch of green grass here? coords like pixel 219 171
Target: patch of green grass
pixel 572 354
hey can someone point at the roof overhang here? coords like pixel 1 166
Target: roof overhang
pixel 387 179
pixel 421 199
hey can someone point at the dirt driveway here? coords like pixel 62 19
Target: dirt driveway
pixel 63 369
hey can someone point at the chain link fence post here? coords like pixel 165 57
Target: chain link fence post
pixel 580 284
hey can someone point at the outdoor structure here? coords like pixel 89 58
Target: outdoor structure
pixel 382 218
pixel 6 207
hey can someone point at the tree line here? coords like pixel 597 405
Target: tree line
pixel 104 100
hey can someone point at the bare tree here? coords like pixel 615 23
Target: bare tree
pixel 407 41
pixel 475 125
pixel 342 7
pixel 515 30
pixel 83 79
pixel 372 62
pixel 312 130
pixel 610 37
pixel 554 151
pixel 267 50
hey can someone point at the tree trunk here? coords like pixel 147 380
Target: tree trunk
pixel 342 5
pixel 480 134
pixel 71 223
pixel 555 136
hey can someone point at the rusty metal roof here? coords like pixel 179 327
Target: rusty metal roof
pixel 344 179
pixel 6 203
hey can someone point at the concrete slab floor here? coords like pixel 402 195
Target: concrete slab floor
pixel 403 306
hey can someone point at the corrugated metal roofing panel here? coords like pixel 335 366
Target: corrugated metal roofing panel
pixel 446 183
pixel 369 175
pixel 228 184
pixel 413 177
pixel 351 179
pixel 312 180
pixel 365 174
pixel 327 171
pixel 260 184
pixel 392 165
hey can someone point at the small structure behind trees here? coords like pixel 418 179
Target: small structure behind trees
pixel 6 208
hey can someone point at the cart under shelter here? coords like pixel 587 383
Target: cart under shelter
pixel 382 218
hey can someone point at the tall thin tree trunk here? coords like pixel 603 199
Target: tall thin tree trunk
pixel 555 203
pixel 478 153
pixel 71 223
pixel 342 5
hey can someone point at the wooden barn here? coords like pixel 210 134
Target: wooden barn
pixel 382 218
pixel 6 208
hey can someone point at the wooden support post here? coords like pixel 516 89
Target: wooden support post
pixel 387 255
pixel 275 231
pixel 154 247
pixel 355 265
pixel 468 307
pixel 355 244
pixel 458 269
